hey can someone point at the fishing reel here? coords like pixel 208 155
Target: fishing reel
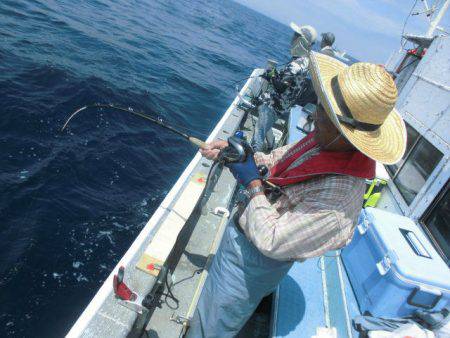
pixel 237 150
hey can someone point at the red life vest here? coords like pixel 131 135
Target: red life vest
pixel 286 172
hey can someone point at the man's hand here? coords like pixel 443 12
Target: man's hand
pixel 211 150
pixel 245 172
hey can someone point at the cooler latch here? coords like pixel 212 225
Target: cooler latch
pixel 386 262
pixel 363 226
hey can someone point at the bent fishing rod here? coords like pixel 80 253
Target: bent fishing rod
pixel 236 151
pixel 195 141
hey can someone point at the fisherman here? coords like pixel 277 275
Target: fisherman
pixel 322 182
pixel 286 88
pixel 326 44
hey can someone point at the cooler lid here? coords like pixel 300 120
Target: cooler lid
pixel 415 258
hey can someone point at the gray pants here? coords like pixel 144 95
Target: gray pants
pixel 239 277
pixel 263 129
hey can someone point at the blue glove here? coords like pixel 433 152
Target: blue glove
pixel 244 172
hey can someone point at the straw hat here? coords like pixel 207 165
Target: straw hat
pixel 360 101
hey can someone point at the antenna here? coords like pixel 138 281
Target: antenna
pixel 435 21
pixel 430 11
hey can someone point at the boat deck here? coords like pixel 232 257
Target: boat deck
pixel 315 293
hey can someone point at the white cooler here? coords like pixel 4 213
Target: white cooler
pixel 393 268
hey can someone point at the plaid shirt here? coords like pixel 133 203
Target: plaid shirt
pixel 308 219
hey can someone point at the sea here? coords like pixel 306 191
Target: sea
pixel 72 202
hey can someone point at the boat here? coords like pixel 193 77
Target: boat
pixel 165 267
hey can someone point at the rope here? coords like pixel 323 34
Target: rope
pixel 402 42
pixel 170 295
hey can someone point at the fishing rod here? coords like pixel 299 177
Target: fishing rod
pixel 195 141
pixel 236 151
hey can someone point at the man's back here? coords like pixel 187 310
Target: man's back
pixel 328 50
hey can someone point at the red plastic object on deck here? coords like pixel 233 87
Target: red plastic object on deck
pixel 121 290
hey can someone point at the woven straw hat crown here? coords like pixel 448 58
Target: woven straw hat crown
pixel 360 100
pixel 368 91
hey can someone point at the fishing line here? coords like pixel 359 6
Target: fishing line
pixel 197 142
pixel 245 78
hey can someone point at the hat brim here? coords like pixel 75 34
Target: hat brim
pixel 387 144
pixel 296 28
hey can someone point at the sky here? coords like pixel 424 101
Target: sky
pixel 369 30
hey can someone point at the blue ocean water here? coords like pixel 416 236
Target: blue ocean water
pixel 71 203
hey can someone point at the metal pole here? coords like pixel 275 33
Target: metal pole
pixel 434 23
pixel 425 4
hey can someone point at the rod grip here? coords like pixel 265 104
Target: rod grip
pixel 195 141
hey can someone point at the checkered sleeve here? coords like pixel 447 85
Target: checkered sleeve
pixel 273 157
pixel 324 220
pixel 296 234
